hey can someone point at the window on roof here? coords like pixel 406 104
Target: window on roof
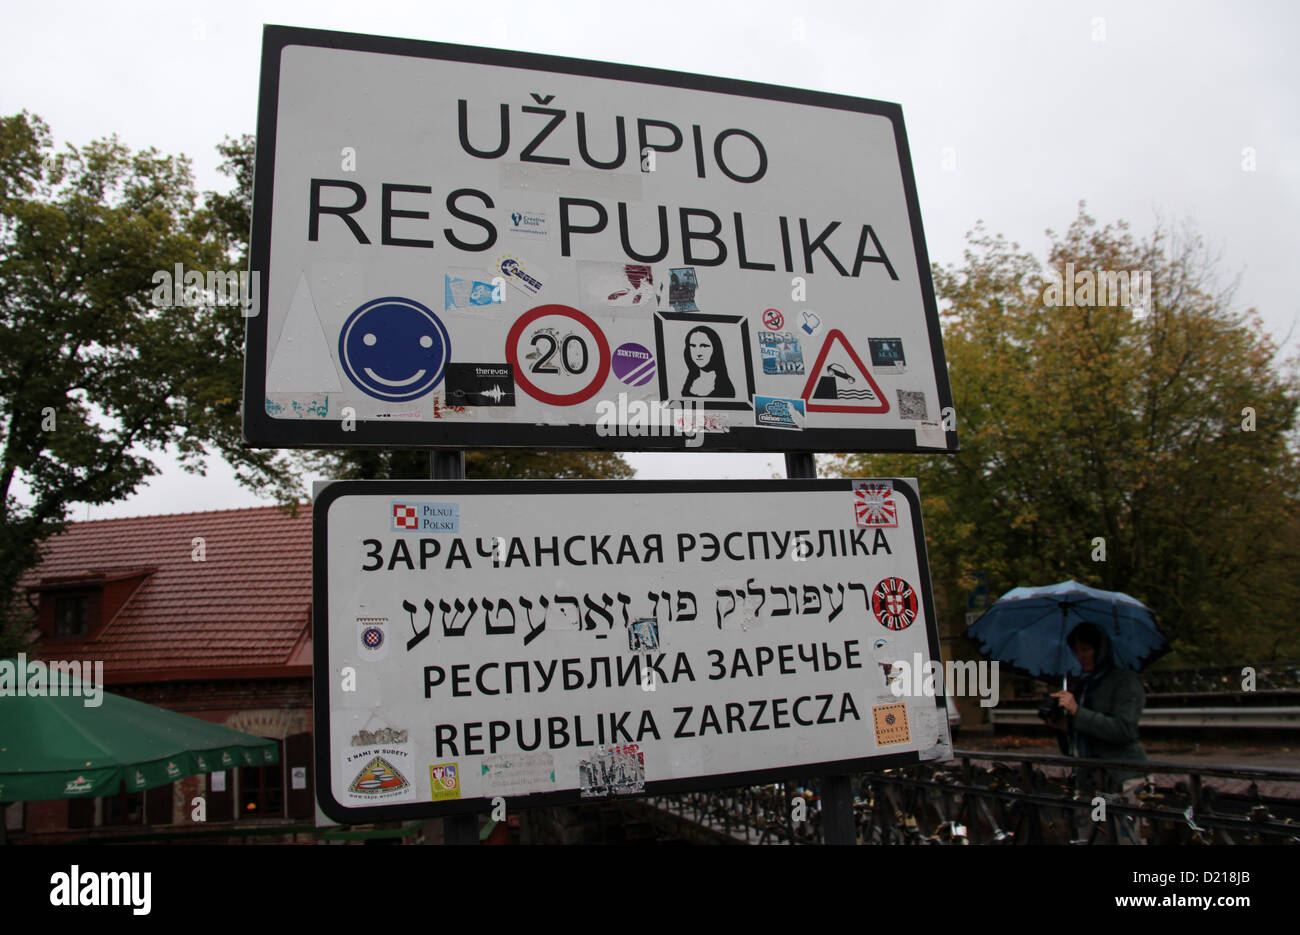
pixel 70 616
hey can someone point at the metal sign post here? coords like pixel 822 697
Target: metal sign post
pixel 838 826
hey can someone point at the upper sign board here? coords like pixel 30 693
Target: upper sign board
pixel 561 641
pixel 461 247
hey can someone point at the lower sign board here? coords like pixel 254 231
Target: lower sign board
pixel 545 642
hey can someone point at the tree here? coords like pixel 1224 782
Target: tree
pixel 1151 452
pixel 93 373
pixel 508 464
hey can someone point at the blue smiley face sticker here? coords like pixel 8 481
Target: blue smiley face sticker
pixel 394 349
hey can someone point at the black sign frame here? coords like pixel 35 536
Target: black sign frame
pixel 262 431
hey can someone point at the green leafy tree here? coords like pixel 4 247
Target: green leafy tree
pixel 93 374
pixel 1149 452
pixel 508 464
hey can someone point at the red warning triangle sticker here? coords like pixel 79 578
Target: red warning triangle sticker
pixel 832 387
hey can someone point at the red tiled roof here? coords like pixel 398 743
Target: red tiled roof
pixel 245 609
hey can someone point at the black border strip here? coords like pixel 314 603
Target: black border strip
pixel 262 431
pixel 412 810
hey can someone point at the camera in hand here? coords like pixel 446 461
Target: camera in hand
pixel 1049 709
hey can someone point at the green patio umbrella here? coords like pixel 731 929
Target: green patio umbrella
pixel 57 747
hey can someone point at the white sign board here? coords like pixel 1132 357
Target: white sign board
pixel 461 247
pixel 559 641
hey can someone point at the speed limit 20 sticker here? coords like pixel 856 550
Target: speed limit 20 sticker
pixel 893 601
pixel 560 356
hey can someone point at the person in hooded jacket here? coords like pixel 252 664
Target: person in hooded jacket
pixel 1103 705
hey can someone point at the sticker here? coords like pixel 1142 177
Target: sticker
pixel 480 384
pixel 616 285
pixel 394 349
pixel 714 422
pixel 298 777
pixel 894 603
pixel 414 414
pixel 873 504
pixel 775 413
pixel 372 640
pixel 379 779
pixel 931 435
pixel 773 319
pixel 444 782
pixel 612 771
pixel 532 224
pixel 385 735
pixel 880 643
pixel 302 362
pixel 560 368
pixel 528 279
pixel 681 289
pixel 469 289
pixel 839 381
pixel 705 357
pixel 637 288
pixel 511 774
pixel 891 673
pixel 891 724
pixel 425 516
pixel 643 634
pixel 442 411
pixel 887 354
pixel 633 364
pixel 811 322
pixel 297 405
pixel 911 406
pixel 780 353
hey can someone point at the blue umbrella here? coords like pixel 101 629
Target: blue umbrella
pixel 1027 628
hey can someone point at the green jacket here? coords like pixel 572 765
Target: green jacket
pixel 1106 725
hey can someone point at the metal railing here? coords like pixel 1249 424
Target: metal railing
pixel 1007 798
pixel 1218 718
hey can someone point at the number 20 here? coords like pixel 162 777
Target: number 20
pixel 543 365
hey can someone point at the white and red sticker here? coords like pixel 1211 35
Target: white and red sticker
pixel 372 638
pixel 773 319
pixel 560 356
pixel 893 601
pixel 874 506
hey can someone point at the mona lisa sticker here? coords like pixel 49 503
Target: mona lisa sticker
pixel 705 357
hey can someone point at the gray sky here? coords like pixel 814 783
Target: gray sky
pixel 1140 109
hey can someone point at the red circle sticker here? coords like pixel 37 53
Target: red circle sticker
pixel 894 603
pixel 773 319
pixel 559 360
